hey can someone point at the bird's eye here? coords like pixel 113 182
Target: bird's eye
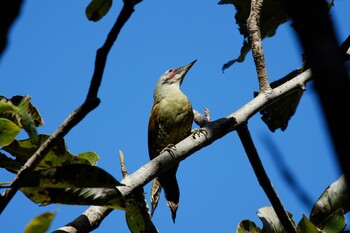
pixel 171 70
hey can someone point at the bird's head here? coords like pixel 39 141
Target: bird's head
pixel 174 76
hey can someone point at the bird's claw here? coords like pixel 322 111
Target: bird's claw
pixel 198 132
pixel 169 148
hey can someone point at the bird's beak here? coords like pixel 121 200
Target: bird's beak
pixel 182 71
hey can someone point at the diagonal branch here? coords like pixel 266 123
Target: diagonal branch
pixel 213 131
pixel 264 181
pixel 91 102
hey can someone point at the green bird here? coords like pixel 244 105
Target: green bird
pixel 170 122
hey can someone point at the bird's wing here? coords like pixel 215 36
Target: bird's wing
pixel 153 128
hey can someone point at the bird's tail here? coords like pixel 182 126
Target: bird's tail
pixel 155 194
pixel 171 191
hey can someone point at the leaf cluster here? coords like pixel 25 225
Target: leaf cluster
pixel 61 177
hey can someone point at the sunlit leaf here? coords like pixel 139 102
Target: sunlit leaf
pixel 97 9
pixel 21 112
pixel 27 121
pixel 40 224
pixel 56 157
pixel 334 197
pixel 305 226
pixel 137 214
pixel 271 222
pixel 247 226
pixel 92 157
pixel 30 108
pixel 2 184
pixel 8 131
pixel 335 223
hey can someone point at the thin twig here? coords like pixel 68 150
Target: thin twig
pixel 256 44
pixel 264 181
pixel 91 102
pixel 94 215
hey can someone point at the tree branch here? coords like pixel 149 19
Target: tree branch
pixel 263 178
pixel 217 130
pixel 91 102
pixel 212 131
pixel 256 44
pixel 87 222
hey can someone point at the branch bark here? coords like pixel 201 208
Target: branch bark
pixel 263 178
pixel 214 130
pixel 210 132
pixel 256 44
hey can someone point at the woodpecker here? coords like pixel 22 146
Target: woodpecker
pixel 170 122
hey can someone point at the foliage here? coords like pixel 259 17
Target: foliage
pixel 61 177
pixel 97 9
pixel 40 223
pixel 64 178
pixel 273 14
pixel 327 215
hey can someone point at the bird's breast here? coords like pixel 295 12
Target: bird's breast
pixel 171 121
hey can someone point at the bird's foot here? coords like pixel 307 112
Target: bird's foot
pixel 198 132
pixel 169 148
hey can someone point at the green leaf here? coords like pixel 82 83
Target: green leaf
pixel 8 131
pixel 273 14
pixel 31 109
pixel 331 200
pixel 2 184
pixel 137 214
pixel 58 156
pixel 21 112
pixel 73 184
pixel 92 157
pixel 305 226
pixel 247 226
pixel 10 164
pixel 70 176
pixel 271 222
pixel 97 9
pixel 40 224
pixel 335 223
pixel 107 197
pixel 27 121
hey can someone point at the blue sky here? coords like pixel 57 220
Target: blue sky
pixel 51 55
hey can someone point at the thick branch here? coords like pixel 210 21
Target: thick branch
pixel 256 44
pixel 263 178
pixel 213 131
pixel 87 222
pixel 90 103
